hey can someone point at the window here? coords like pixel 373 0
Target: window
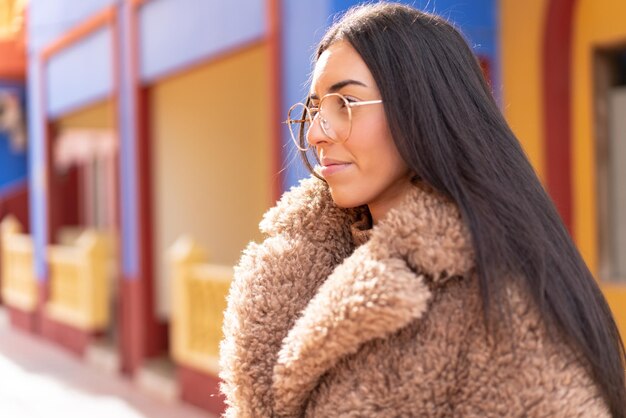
pixel 611 162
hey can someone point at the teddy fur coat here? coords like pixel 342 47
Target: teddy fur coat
pixel 325 320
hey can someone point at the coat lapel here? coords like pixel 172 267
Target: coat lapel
pixel 368 296
pixel 307 236
pixel 382 287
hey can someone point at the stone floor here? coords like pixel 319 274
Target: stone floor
pixel 39 379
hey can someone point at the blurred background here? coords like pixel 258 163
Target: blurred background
pixel 141 141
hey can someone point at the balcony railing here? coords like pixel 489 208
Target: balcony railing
pixel 79 282
pixel 199 300
pixel 19 286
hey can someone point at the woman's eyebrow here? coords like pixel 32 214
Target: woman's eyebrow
pixel 338 86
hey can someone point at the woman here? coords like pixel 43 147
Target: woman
pixel 423 270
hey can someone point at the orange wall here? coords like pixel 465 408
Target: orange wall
pixel 95 116
pixel 616 297
pixel 12 44
pixel 596 24
pixel 12 60
pixel 522 25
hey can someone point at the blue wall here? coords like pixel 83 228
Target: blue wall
pixel 177 33
pixel 477 19
pixel 304 24
pixel 82 73
pixel 72 84
pixel 49 19
pixel 13 165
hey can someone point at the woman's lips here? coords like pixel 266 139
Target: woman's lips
pixel 330 169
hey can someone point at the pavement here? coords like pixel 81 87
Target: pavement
pixel 40 380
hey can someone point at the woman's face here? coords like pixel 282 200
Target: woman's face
pixel 366 169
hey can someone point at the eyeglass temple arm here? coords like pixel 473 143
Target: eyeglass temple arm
pixel 353 104
pixel 367 102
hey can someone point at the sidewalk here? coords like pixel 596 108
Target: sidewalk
pixel 39 379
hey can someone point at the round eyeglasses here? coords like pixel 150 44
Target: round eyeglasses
pixel 334 112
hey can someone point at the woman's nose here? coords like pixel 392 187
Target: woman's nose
pixel 315 136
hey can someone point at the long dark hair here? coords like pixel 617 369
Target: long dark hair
pixel 448 128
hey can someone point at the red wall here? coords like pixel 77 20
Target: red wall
pixel 15 202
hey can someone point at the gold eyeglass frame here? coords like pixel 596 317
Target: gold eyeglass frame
pixel 301 136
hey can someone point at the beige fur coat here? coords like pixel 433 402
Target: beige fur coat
pixel 393 328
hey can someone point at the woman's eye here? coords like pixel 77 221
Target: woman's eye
pixel 339 102
pixel 347 102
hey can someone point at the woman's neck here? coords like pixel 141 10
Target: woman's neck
pixel 391 198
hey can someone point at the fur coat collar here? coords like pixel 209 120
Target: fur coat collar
pixel 308 297
pixel 305 297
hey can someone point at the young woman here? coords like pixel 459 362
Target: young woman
pixel 422 271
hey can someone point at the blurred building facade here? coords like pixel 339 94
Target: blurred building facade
pixel 563 66
pixel 155 144
pixel 13 159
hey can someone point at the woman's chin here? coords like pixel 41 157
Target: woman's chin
pixel 345 200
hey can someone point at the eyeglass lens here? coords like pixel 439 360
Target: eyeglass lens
pixel 299 123
pixel 334 118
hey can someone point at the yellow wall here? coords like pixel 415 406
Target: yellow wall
pixel 211 158
pixel 596 24
pixel 522 27
pixel 96 116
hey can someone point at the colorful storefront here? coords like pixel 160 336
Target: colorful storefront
pixel 155 145
pixel 148 175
